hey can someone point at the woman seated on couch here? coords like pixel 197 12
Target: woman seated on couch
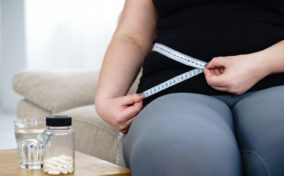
pixel 228 121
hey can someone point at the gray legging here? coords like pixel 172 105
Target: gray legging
pixel 199 135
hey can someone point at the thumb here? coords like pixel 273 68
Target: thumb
pixel 213 79
pixel 217 62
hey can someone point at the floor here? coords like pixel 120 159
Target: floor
pixel 7 137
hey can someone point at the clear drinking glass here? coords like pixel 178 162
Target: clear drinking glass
pixel 30 141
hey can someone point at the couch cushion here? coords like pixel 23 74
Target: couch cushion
pixel 93 135
pixel 57 91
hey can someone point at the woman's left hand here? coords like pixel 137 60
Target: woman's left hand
pixel 235 74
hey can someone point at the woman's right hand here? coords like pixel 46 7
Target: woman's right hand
pixel 120 111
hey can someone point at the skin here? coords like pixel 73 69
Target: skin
pixel 132 41
pixel 237 74
pixel 124 57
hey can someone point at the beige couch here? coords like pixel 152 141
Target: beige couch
pixel 69 92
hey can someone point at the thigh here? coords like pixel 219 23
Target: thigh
pixel 183 134
pixel 260 131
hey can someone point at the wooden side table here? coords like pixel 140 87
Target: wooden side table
pixel 85 165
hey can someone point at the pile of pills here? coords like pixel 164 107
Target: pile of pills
pixel 58 165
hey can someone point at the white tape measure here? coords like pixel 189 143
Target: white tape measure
pixel 179 57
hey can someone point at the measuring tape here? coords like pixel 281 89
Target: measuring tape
pixel 179 57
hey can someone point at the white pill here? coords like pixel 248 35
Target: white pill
pixel 67 166
pixel 50 167
pixel 63 171
pixel 53 172
pixel 53 162
pixel 56 165
pixel 63 162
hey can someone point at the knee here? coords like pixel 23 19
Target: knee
pixel 155 156
pixel 179 153
pixel 259 129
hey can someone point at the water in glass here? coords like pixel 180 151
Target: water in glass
pixel 31 143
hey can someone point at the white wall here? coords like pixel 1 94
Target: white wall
pixel 13 50
pixel 52 34
pixel 0 51
pixel 69 33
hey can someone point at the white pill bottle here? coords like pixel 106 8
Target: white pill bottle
pixel 59 156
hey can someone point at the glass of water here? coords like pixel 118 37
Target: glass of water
pixel 30 141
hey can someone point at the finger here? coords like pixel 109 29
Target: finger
pixel 213 79
pixel 220 88
pixel 130 99
pixel 131 111
pixel 127 125
pixel 124 131
pixel 217 62
pixel 212 71
pixel 217 71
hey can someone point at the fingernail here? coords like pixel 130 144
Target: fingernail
pixel 141 94
pixel 205 65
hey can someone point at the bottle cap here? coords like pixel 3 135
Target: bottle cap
pixel 58 121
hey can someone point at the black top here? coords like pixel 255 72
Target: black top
pixel 208 28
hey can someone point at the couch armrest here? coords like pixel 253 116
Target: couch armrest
pixel 56 91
